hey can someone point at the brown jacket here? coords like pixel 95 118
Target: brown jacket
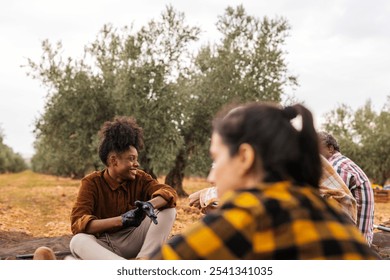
pixel 102 197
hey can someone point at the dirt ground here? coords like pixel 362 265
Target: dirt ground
pixel 15 243
pixel 35 211
pixel 33 214
pixel 22 245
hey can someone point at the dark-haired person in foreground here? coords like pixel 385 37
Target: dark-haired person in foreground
pixel 267 174
pixel 109 216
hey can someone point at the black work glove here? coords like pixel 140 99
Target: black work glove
pixel 148 209
pixel 132 218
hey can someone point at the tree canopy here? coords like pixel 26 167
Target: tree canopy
pixel 363 136
pixel 248 64
pixel 9 160
pixel 153 75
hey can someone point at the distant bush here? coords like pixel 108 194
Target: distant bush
pixel 9 160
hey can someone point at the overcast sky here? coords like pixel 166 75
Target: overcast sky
pixel 339 49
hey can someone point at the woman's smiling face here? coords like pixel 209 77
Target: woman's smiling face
pixel 126 165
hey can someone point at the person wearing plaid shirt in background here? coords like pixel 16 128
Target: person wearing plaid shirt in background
pixel 267 174
pixel 356 180
pixel 333 188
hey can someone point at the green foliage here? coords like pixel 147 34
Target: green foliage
pixel 77 104
pixel 363 136
pixel 248 64
pixel 9 160
pixel 131 75
pixel 152 75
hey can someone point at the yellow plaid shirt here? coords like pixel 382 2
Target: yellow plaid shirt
pixel 271 221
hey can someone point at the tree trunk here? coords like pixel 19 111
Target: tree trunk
pixel 176 175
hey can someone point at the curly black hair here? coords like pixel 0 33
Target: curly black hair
pixel 118 135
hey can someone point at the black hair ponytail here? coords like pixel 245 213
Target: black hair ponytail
pixel 285 151
pixel 309 148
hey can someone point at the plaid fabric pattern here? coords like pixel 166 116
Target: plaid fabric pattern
pixel 333 188
pixel 361 189
pixel 271 221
